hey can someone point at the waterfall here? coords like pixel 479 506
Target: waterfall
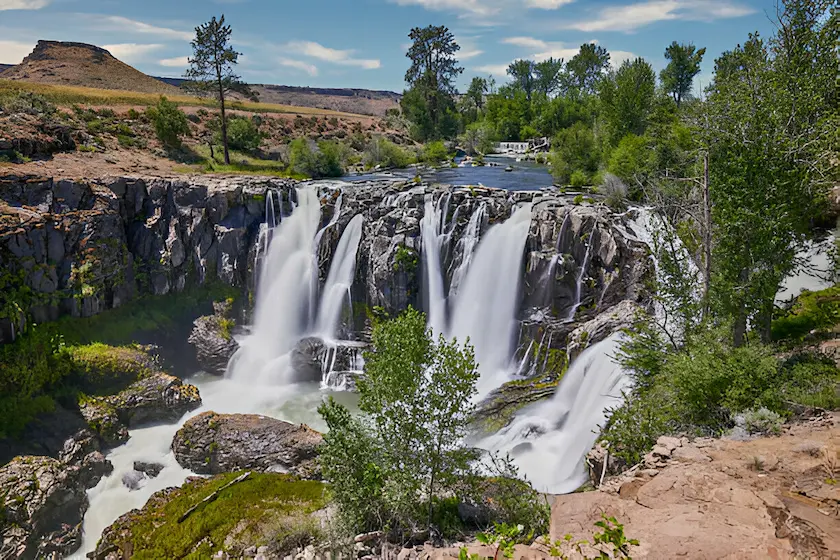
pixel 432 240
pixel 467 245
pixel 549 441
pixel 485 308
pixel 580 276
pixel 287 297
pixel 340 279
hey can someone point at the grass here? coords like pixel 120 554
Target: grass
pixel 265 509
pixel 145 314
pixel 105 370
pixel 241 164
pixel 70 95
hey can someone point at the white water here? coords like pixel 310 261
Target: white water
pixel 432 237
pixel 340 279
pixel 485 307
pixel 258 376
pixel 549 441
pixel 580 276
pixel 466 247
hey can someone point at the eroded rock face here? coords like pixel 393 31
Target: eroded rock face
pixel 213 340
pixel 82 247
pixel 44 499
pixel 620 316
pixel 160 397
pixel 214 443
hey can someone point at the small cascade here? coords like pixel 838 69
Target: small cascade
pixel 581 275
pixel 466 246
pixel 432 239
pixel 287 306
pixel 340 279
pixel 549 441
pixel 485 309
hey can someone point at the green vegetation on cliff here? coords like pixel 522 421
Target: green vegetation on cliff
pixel 264 509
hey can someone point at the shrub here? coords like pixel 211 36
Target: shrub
pixel 811 311
pixel 325 160
pixel 578 179
pixel 169 121
pixel 614 191
pixel 243 134
pixel 762 421
pixel 383 152
pixel 632 159
pixel 32 367
pixel 27 102
pixel 434 153
pixel 573 149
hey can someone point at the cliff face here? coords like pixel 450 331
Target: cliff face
pixel 75 247
pixel 80 247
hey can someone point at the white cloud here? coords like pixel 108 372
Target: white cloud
pixel 495 70
pixel 131 52
pixel 527 42
pixel 335 56
pixel 542 50
pixel 299 65
pixel 476 7
pixel 547 4
pixel 13 52
pixel 134 26
pixel 633 16
pixel 23 4
pixel 177 62
pixel 466 55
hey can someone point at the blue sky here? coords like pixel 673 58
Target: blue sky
pixel 362 43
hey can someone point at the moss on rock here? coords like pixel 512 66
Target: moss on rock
pixel 104 369
pixel 267 509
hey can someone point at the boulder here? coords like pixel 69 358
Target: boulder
pixel 159 397
pixel 43 499
pixel 307 358
pixel 620 316
pixel 149 469
pixel 213 340
pixel 214 443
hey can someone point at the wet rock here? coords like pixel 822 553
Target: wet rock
pixel 149 469
pixel 307 359
pixel 159 397
pixel 214 443
pixel 43 499
pixel 620 316
pixel 213 340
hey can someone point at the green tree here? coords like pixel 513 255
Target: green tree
pixel 522 74
pixel 429 101
pixel 627 98
pixel 772 132
pixel 547 76
pixel 684 65
pixel 211 69
pixel 585 70
pixel 477 90
pixel 574 149
pixel 416 395
pixel 169 121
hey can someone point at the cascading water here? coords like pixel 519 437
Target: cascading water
pixel 340 279
pixel 484 310
pixel 549 441
pixel 257 380
pixel 466 247
pixel 579 279
pixel 431 233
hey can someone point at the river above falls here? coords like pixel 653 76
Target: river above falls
pixel 525 175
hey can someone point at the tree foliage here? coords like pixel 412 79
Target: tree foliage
pixel 169 121
pixel 627 99
pixel 585 69
pixel 429 101
pixel 683 66
pixel 211 70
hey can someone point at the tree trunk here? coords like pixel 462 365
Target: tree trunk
pixel 707 237
pixel 224 122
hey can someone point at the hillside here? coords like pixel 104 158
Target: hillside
pixel 79 64
pixel 347 100
pixel 4 67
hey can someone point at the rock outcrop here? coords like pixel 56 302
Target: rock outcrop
pixel 79 247
pixel 160 397
pixel 214 443
pixel 769 497
pixel 43 499
pixel 212 338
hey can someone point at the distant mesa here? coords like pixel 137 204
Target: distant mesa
pixel 80 64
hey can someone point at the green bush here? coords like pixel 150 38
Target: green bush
pixel 578 179
pixel 573 149
pixel 27 102
pixel 169 121
pixel 243 134
pixel 325 160
pixel 381 151
pixel 632 159
pixel 812 311
pixel 32 368
pixel 435 153
pixel 763 421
